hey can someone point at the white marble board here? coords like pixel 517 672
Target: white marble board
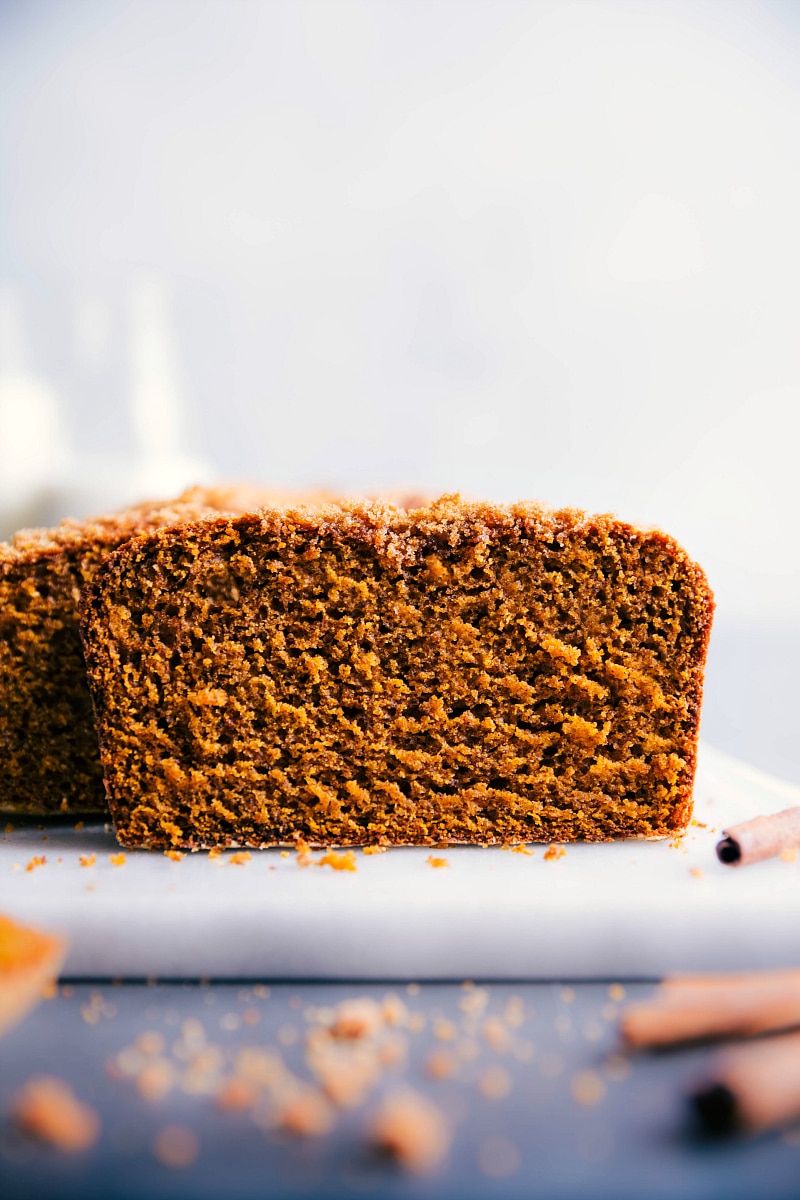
pixel 632 909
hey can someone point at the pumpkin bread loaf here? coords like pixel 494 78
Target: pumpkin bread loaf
pixel 359 674
pixel 49 758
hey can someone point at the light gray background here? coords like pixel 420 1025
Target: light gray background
pixel 538 249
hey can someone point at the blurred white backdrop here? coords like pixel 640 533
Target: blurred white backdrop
pixel 540 249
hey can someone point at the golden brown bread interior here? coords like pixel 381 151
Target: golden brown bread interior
pixel 49 758
pixel 359 673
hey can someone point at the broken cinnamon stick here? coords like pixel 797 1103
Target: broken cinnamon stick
pixel 693 1008
pixel 763 837
pixel 753 1088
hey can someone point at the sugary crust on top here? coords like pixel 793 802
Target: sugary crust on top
pixel 110 530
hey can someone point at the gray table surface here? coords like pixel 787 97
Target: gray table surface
pixel 635 1140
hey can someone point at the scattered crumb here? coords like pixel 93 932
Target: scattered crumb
pixel 236 1094
pixel 79 825
pixel 495 1033
pixel 345 1079
pixel 789 854
pixel 468 1050
pixel 394 1010
pixel 437 862
pixel 156 1079
pixel 10 827
pixel 495 1083
pixel 214 852
pixel 441 1064
pixel 176 1146
pixel 358 1018
pixel 150 1043
pixel 616 992
pixel 554 852
pixel 241 859
pixel 344 861
pixel 16 867
pixel 444 1030
pixel 37 861
pixel 617 1067
pixel 412 1130
pixel 568 995
pixel 697 872
pixel 284 853
pixel 306 1112
pixel 87 860
pixel 48 1110
pixel 522 850
pixel 375 849
pixel 498 1157
pixel 514 1014
pixel 117 860
pixel 588 1088
pixel 261 991
pixel 700 824
pixel 175 855
pixel 393 1050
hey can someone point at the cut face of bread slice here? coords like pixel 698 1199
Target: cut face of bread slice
pixel 49 759
pixel 29 961
pixel 359 674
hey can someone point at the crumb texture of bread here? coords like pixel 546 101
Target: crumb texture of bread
pixel 49 757
pixel 360 673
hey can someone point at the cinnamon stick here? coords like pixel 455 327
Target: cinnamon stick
pixel 692 1008
pixel 752 1089
pixel 763 837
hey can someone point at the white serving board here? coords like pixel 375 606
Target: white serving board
pixel 628 909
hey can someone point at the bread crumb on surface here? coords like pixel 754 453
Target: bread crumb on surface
pixel 306 1112
pixel 588 1088
pixel 552 853
pixel 495 1083
pixel 441 1064
pixel 361 1017
pixel 79 825
pixel 697 872
pixel 214 852
pixel 175 855
pixel 38 860
pixel 412 1130
pixel 9 827
pixel 789 855
pixel 498 1157
pixel 48 1109
pixel 87 860
pixel 156 1078
pixel 240 859
pixel 236 1094
pixel 344 861
pixel 375 849
pixel 117 860
pixel 616 992
pixel 522 850
pixel 437 862
pixel 176 1146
